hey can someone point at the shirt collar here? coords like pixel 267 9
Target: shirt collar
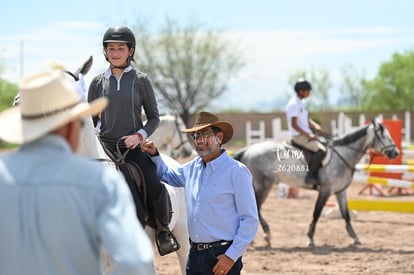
pixel 217 162
pixel 108 71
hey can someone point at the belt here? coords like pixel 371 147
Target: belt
pixel 206 246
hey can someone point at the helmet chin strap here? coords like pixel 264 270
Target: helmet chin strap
pixel 119 67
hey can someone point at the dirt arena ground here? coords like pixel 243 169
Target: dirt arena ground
pixel 387 240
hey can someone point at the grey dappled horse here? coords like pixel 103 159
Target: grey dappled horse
pixel 272 162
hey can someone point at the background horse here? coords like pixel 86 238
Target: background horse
pixel 92 148
pixel 272 162
pixel 170 140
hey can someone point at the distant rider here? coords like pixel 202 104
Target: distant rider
pixel 300 125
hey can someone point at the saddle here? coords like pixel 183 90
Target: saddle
pixel 135 179
pixel 308 154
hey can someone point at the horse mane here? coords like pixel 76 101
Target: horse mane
pixel 350 138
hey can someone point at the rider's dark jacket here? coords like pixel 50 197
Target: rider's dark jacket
pixel 127 96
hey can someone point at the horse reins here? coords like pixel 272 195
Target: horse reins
pixel 117 157
pixel 344 160
pixel 353 169
pixel 384 148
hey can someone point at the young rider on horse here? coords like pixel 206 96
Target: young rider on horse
pixel 300 124
pixel 129 91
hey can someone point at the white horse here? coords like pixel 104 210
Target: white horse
pixel 168 137
pixel 170 140
pixel 90 146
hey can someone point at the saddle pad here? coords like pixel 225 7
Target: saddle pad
pixel 308 154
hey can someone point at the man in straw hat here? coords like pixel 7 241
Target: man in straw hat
pixel 221 206
pixel 58 209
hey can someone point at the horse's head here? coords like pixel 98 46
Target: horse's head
pixel 76 77
pixel 168 134
pixel 185 146
pixel 383 141
pixel 89 146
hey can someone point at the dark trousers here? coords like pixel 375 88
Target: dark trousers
pixel 202 262
pixel 149 170
pixel 152 181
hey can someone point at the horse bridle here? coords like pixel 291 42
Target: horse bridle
pixel 383 149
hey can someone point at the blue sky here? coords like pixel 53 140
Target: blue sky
pixel 279 37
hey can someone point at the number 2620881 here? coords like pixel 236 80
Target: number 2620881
pixel 292 168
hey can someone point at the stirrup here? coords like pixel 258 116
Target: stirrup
pixel 173 243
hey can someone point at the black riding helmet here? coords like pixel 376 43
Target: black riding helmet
pixel 120 34
pixel 302 84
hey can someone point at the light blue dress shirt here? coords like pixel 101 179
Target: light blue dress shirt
pixel 220 200
pixel 57 210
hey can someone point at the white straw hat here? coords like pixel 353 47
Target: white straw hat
pixel 48 101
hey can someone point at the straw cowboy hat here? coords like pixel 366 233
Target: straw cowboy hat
pixel 204 120
pixel 48 100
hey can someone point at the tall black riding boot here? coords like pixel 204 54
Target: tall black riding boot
pixel 312 176
pixel 166 242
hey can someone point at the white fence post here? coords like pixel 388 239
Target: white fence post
pixel 407 127
pixel 253 136
pixel 362 120
pixel 277 133
pixel 341 123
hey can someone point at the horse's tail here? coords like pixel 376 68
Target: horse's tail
pixel 239 155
